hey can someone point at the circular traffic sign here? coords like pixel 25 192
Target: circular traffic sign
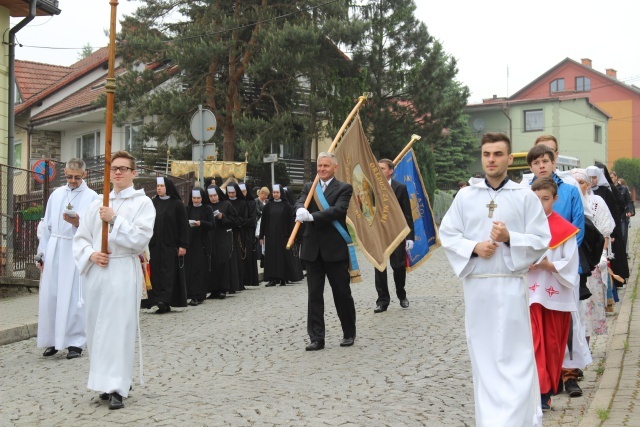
pixel 39 169
pixel 203 127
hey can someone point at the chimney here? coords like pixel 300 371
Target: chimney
pixel 586 62
pixel 612 73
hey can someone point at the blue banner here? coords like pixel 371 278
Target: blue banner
pixel 426 235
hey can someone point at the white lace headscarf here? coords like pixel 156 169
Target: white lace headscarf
pixel 596 171
pixel 581 174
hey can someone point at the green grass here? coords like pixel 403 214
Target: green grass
pixel 600 368
pixel 626 345
pixel 603 414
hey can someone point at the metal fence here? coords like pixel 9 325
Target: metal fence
pixel 24 195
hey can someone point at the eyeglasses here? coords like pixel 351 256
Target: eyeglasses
pixel 121 169
pixel 73 177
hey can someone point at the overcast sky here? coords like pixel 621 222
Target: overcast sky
pixel 486 37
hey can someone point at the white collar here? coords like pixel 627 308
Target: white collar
pixel 326 183
pixel 123 194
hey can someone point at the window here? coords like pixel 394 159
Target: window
pixel 17 153
pixel 583 84
pixel 597 134
pixel 557 85
pixel 88 145
pixel 533 120
pixel 132 142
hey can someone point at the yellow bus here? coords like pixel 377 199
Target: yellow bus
pixel 519 167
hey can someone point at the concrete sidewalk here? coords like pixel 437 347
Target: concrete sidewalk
pixel 18 317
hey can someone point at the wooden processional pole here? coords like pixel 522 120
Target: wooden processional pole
pixel 404 151
pixel 111 89
pixel 361 100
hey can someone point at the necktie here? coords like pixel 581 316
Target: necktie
pixel 324 186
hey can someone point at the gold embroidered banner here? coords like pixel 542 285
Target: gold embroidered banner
pixel 211 168
pixel 374 211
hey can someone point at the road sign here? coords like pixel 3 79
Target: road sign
pixel 39 169
pixel 203 125
pixel 270 158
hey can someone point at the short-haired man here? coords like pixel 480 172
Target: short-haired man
pixel 113 281
pixel 491 234
pixel 325 252
pixel 398 258
pixel 61 323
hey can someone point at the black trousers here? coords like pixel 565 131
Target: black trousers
pixel 339 280
pixel 382 286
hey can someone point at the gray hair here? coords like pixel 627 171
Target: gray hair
pixel 76 164
pixel 324 154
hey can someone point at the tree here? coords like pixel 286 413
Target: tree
pixel 244 60
pixel 412 80
pixel 629 169
pixel 455 154
pixel 87 50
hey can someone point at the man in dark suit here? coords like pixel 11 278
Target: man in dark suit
pixel 398 257
pixel 325 253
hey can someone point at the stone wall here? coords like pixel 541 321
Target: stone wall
pixel 45 144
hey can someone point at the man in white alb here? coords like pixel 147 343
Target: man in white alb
pixel 61 322
pixel 491 234
pixel 113 281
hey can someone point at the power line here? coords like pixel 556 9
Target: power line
pixel 225 30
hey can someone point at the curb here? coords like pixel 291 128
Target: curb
pixel 18 333
pixel 619 336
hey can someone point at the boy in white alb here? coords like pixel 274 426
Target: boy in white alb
pixel 552 283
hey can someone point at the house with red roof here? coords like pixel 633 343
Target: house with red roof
pixel 619 100
pixel 58 113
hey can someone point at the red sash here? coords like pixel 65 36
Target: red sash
pixel 561 230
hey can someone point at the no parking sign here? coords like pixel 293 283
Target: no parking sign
pixel 39 169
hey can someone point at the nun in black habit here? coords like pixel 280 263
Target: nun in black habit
pixel 167 248
pixel 602 186
pixel 249 231
pixel 198 261
pixel 225 266
pixel 236 198
pixel 276 225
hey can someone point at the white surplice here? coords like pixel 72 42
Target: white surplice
pixel 61 323
pixel 112 293
pixel 498 328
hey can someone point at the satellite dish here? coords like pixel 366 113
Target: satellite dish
pixel 478 124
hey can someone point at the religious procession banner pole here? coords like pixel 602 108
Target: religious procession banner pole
pixel 110 89
pixel 361 100
pixel 406 149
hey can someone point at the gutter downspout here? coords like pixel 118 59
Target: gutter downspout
pixel 11 130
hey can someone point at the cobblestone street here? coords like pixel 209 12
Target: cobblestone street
pixel 241 362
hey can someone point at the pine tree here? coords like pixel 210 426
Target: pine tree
pixel 455 154
pixel 412 80
pixel 246 61
pixel 87 50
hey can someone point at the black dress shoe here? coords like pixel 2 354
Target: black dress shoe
pixel 404 303
pixel 315 345
pixel 270 284
pixel 193 302
pixel 163 308
pixel 104 396
pixel 115 401
pixel 347 342
pixel 74 352
pixel 379 308
pixel 50 351
pixel 572 388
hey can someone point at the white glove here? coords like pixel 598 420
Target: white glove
pixel 303 215
pixel 408 245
